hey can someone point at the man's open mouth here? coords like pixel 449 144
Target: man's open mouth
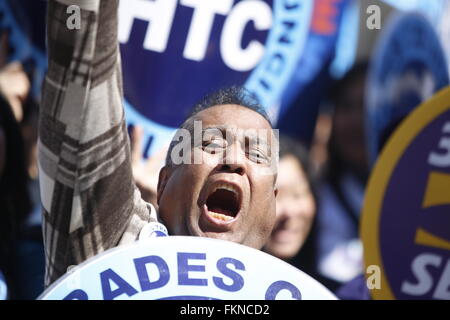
pixel 224 202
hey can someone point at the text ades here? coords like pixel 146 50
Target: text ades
pixel 232 273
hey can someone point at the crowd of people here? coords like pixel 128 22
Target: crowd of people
pixel 318 192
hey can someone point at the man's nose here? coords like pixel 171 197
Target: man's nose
pixel 234 160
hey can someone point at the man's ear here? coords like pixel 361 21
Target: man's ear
pixel 164 175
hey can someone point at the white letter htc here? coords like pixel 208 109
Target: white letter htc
pixel 243 12
pixel 158 13
pixel 201 25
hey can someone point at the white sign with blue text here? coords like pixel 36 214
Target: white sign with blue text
pixel 173 268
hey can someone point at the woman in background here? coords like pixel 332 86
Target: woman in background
pixel 293 237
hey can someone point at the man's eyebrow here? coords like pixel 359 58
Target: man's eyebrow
pixel 221 128
pixel 254 135
pixel 258 139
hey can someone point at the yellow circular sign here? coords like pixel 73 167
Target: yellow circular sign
pixel 405 224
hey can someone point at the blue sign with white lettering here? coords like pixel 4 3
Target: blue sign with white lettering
pixel 304 92
pixel 175 52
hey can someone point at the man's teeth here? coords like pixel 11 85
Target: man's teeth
pixel 219 216
pixel 226 187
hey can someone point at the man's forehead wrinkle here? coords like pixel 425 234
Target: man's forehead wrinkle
pixel 225 120
pixel 259 141
pixel 222 128
pixel 257 134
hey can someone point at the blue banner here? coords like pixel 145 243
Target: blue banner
pixel 175 52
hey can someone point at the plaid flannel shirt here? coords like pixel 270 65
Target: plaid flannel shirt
pixel 89 199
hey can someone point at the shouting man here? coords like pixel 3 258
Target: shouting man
pixel 220 186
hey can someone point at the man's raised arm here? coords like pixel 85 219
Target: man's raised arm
pixel 90 202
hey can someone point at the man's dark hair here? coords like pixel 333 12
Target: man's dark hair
pixel 232 95
pixel 236 95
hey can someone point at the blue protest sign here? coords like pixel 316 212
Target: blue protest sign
pixel 408 67
pixel 175 52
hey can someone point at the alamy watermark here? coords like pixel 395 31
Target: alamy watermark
pixel 373 21
pixel 73 22
pixel 373 277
